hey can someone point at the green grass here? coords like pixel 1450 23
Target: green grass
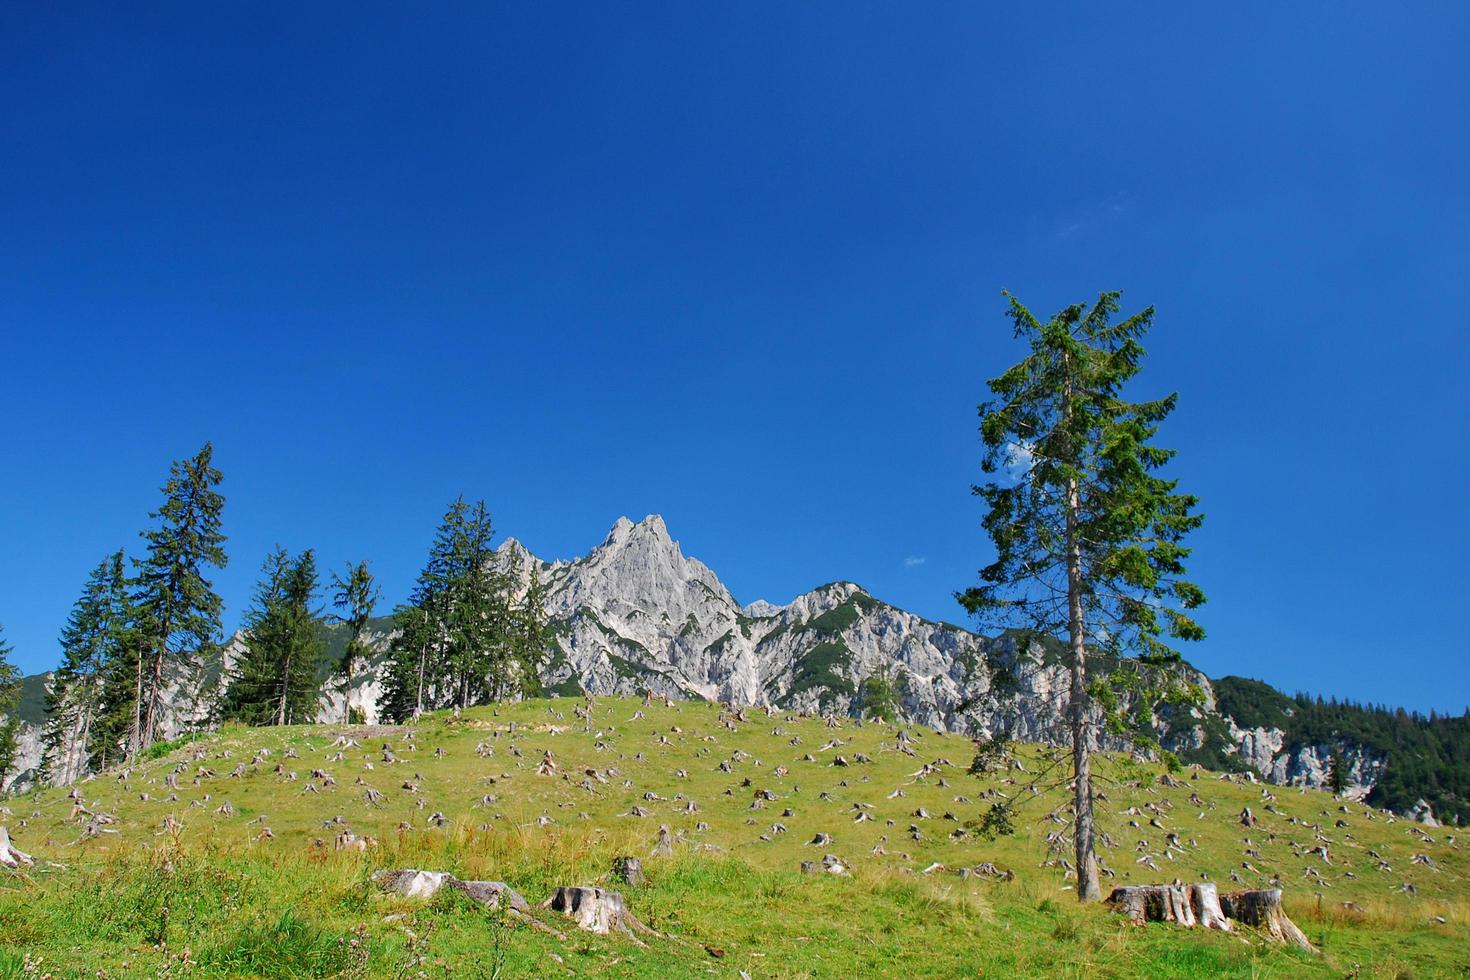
pixel 211 900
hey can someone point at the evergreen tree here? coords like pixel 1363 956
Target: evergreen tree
pixel 476 622
pixel 10 681
pixel 95 639
pixel 532 639
pixel 415 645
pixel 877 698
pixel 1086 536
pixel 463 641
pixel 1337 777
pixel 357 594
pixel 178 610
pixel 275 681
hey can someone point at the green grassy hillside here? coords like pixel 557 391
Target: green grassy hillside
pixel 217 896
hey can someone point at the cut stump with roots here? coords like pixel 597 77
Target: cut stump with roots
pixel 628 870
pixel 1202 905
pixel 1263 909
pixel 596 910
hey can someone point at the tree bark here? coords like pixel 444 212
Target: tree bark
pixel 285 692
pixel 1089 888
pixel 135 737
pixel 595 910
pixel 1263 908
pixel 628 870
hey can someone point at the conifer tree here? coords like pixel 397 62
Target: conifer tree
pixel 415 645
pixel 274 682
pixel 10 689
pixel 357 594
pixel 177 608
pixel 531 637
pixel 96 638
pixel 1337 778
pixel 462 641
pixel 1086 535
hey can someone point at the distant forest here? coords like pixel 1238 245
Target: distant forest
pixel 1427 757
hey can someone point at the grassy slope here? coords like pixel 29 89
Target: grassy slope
pixel 140 900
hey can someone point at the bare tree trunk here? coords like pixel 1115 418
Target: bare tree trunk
pixel 347 668
pixel 155 689
pixel 135 737
pixel 1084 832
pixel 285 692
pixel 419 705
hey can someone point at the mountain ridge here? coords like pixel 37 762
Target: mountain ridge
pixel 636 614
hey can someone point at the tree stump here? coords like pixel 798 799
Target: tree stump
pixel 628 870
pixel 10 857
pixel 492 895
pixel 596 910
pixel 1262 908
pixel 1153 903
pixel 412 883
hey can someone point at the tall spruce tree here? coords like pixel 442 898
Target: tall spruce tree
pixel 356 594
pixel 1086 534
pixel 96 639
pixel 177 608
pixel 275 681
pixel 10 690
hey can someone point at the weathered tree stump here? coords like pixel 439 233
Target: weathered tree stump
pixel 1262 908
pixel 1201 904
pixel 10 856
pixel 596 910
pixel 628 870
pixel 412 883
pixel 493 895
pixel 1153 903
pixel 1187 905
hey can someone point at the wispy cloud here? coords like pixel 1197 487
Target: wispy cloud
pixel 1020 457
pixel 1092 217
pixel 913 562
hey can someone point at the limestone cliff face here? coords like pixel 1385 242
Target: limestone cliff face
pixel 1266 751
pixel 636 613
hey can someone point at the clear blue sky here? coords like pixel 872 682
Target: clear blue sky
pixel 740 264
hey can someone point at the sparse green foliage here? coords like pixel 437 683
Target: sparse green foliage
pixel 997 822
pixel 356 593
pixel 1087 536
pixel 178 611
pixel 877 697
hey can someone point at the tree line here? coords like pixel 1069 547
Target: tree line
pixel 144 656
